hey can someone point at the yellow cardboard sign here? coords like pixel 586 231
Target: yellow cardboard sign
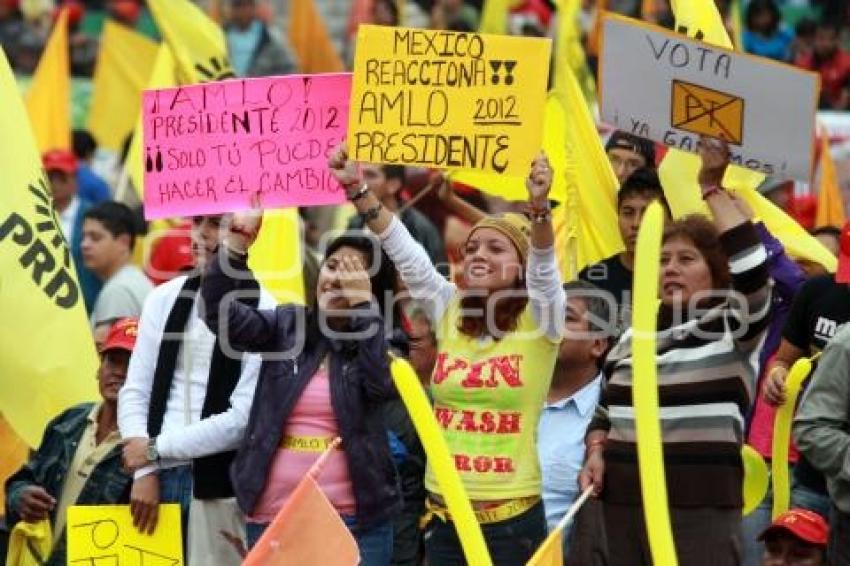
pixel 448 100
pixel 705 111
pixel 100 535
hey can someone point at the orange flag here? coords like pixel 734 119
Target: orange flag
pixel 307 530
pixel 310 39
pixel 830 210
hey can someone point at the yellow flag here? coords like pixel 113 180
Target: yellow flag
pixel 13 453
pixel 197 42
pixel 124 64
pixel 276 256
pixel 48 99
pixel 309 37
pixel 47 356
pixel 494 16
pixel 678 171
pixel 551 552
pixel 737 24
pixel 569 51
pixel 162 76
pixel 830 204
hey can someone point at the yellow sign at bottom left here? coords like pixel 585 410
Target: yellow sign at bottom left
pixel 104 535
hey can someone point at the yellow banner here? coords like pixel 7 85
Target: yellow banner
pixel 104 534
pixel 448 100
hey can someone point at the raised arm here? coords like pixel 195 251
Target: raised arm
pixel 545 293
pixel 740 241
pixel 411 261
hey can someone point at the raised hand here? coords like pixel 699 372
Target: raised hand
pixel 344 170
pixel 539 181
pixel 244 226
pixel 715 156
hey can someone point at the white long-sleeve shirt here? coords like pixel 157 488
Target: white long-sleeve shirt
pixel 184 434
pixel 545 293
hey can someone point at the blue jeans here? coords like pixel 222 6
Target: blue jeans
pixel 175 486
pixel 802 496
pixel 753 525
pixel 375 545
pixel 511 542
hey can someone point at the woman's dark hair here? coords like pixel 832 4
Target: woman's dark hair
pixel 392 7
pixel 383 273
pixel 505 315
pixel 704 236
pixel 758 6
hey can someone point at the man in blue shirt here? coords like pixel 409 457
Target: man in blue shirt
pixel 573 396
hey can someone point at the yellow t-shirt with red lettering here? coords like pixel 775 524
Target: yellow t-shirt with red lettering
pixel 488 395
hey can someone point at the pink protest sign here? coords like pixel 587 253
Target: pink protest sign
pixel 210 147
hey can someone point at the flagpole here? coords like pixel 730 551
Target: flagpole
pixel 123 183
pixel 574 509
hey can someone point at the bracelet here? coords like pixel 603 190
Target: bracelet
pixel 372 213
pixel 709 190
pixel 541 217
pixel 360 193
pixel 596 442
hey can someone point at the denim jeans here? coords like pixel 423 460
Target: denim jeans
pixel 753 525
pixel 838 551
pixel 802 496
pixel 375 545
pixel 175 486
pixel 510 542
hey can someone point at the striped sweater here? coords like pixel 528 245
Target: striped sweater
pixel 706 377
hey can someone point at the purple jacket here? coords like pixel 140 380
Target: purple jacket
pixel 360 382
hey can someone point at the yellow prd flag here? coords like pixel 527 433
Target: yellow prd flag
pixel 276 256
pixel 47 356
pixel 162 76
pixel 124 64
pixel 678 170
pixel 197 42
pixel 569 51
pixel 48 99
pixel 830 204
pixel 309 37
pixel 551 552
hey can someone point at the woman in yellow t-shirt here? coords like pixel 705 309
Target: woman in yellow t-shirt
pixel 498 334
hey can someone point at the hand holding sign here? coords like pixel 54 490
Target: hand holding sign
pixel 539 181
pixel 715 160
pixel 343 169
pixel 245 226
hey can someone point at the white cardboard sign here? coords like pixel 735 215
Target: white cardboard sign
pixel 666 87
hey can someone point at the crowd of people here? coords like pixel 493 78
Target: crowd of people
pixel 216 398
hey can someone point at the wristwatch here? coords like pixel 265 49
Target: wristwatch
pixel 151 453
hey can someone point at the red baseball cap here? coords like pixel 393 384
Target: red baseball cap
pixel 60 160
pixel 842 274
pixel 803 524
pixel 122 335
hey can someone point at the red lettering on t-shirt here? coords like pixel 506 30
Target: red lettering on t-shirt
pixel 444 416
pixel 482 464
pixel 467 422
pixel 473 377
pixel 502 465
pixel 508 367
pixel 509 423
pixel 441 372
pixel 488 423
pixel 462 463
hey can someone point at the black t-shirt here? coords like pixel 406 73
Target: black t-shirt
pixel 612 276
pixel 820 307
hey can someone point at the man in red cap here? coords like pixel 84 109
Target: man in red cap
pixel 61 168
pixel 796 538
pixel 79 460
